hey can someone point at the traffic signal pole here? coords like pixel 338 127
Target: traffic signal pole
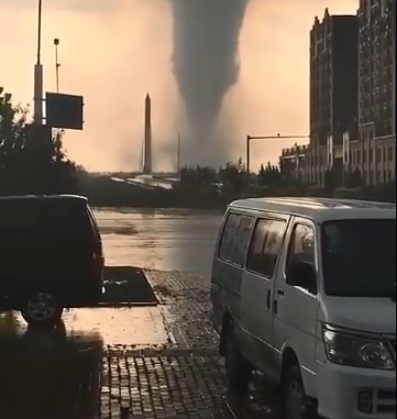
pixel 267 138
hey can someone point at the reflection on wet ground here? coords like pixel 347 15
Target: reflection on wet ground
pixel 127 326
pixel 164 240
pixel 48 375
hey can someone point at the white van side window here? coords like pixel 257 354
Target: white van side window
pixel 235 238
pixel 301 247
pixel 266 246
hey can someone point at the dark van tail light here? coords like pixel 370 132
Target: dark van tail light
pixel 98 265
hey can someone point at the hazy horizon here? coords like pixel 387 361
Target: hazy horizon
pixel 114 52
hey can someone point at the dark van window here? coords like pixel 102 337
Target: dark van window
pixel 18 218
pixel 235 237
pixel 66 221
pixel 266 246
pixel 35 221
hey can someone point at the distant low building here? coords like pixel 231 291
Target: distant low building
pixel 292 162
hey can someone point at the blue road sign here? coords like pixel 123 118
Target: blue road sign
pixel 64 111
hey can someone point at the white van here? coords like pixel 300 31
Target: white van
pixel 303 290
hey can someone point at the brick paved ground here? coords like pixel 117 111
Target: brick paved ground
pixel 186 308
pixel 183 378
pixel 164 384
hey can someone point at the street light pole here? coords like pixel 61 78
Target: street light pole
pixel 267 137
pixel 38 71
pixel 57 63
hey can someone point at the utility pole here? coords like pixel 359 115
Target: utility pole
pixel 38 72
pixel 267 138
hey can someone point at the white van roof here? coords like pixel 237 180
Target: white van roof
pixel 320 209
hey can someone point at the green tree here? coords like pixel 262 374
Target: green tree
pixel 234 177
pixel 30 163
pixel 197 178
pixel 269 175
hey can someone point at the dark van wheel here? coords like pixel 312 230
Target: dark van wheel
pixel 238 370
pixel 294 401
pixel 41 309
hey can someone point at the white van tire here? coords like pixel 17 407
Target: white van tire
pixel 294 401
pixel 238 370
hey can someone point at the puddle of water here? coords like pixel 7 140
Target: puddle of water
pixel 115 326
pixel 127 326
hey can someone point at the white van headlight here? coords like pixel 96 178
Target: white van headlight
pixel 344 348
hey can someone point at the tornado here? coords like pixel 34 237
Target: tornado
pixel 206 65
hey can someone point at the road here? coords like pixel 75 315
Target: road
pixel 164 240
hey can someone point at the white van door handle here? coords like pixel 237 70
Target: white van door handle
pixel 281 292
pixel 269 300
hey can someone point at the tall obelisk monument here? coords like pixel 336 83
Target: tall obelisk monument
pixel 147 149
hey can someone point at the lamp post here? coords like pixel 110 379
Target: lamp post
pixel 57 63
pixel 38 71
pixel 268 138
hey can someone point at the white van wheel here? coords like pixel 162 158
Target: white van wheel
pixel 294 397
pixel 238 370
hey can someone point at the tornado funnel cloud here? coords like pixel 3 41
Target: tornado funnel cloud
pixel 206 66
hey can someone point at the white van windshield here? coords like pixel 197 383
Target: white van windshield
pixel 359 258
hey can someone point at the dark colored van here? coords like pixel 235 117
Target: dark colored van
pixel 51 256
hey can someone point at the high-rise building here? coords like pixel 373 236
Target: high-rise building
pixel 333 76
pixel 333 86
pixel 353 94
pixel 377 112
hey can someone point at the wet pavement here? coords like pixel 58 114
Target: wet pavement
pixel 164 240
pixel 142 362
